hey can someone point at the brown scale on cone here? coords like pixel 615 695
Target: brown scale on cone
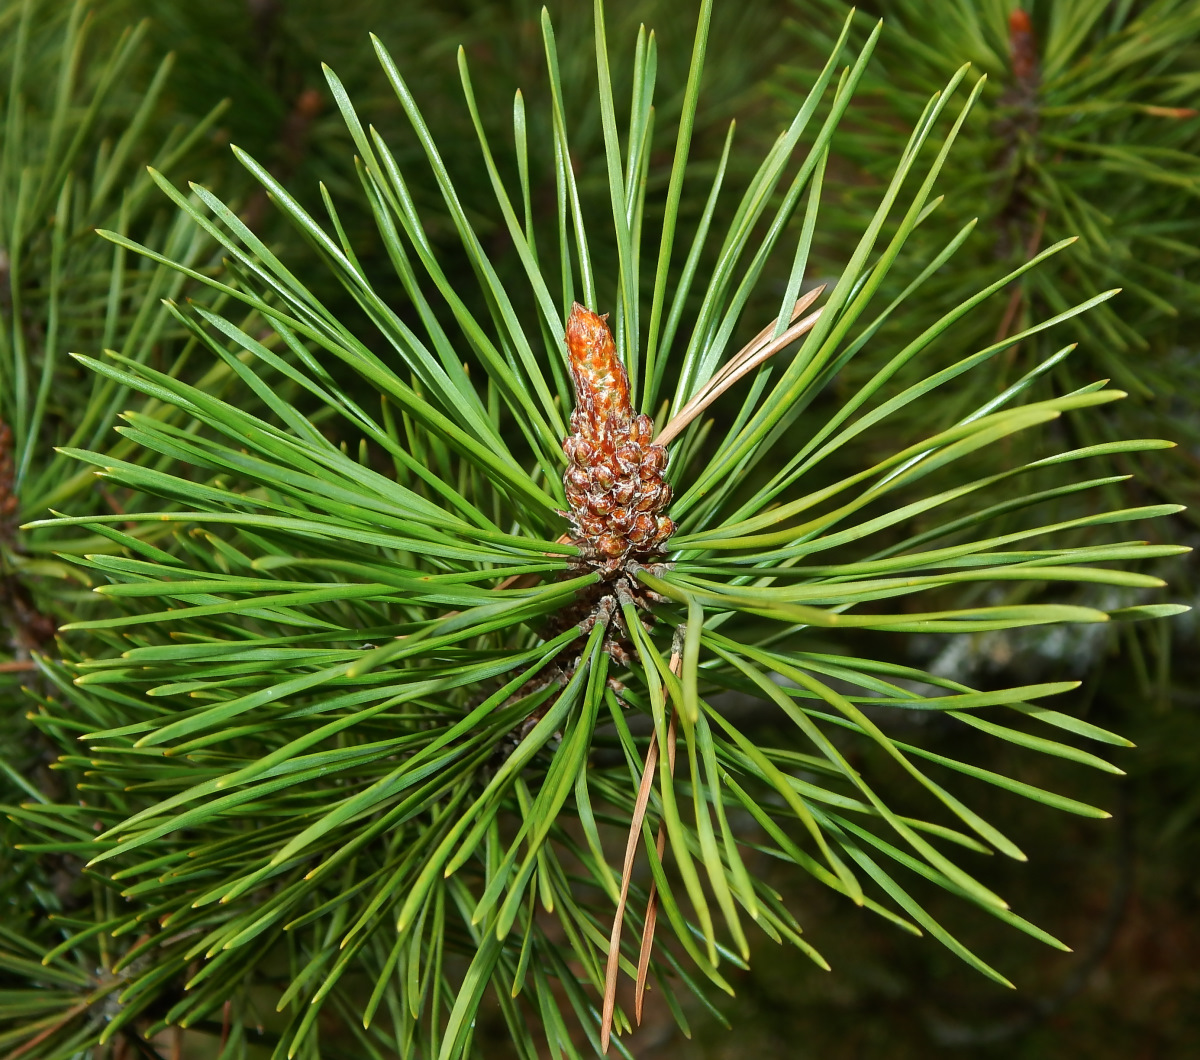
pixel 615 483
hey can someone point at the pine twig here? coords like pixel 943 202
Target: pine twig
pixel 758 350
pixel 635 827
pixel 19 666
pixel 50 1031
pixel 652 901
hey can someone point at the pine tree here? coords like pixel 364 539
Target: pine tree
pixel 439 603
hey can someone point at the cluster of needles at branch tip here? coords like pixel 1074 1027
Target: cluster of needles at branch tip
pixel 614 481
pixel 615 486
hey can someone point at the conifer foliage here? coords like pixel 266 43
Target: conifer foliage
pixel 82 104
pixel 84 107
pixel 1087 128
pixel 363 728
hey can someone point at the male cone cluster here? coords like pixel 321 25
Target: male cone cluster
pixel 615 483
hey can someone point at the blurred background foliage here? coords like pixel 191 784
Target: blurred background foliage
pixel 1086 128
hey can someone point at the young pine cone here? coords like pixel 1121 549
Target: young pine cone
pixel 615 483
